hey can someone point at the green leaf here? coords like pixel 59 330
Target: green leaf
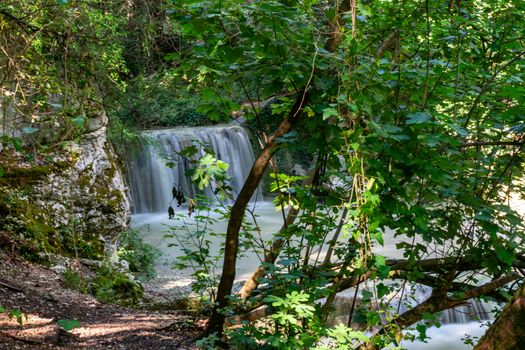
pixel 17 144
pixel 189 151
pixel 427 316
pixel 366 295
pixel 382 267
pixel 352 106
pixel 422 329
pixel 79 121
pixel 18 315
pixel 460 130
pixel 382 290
pixel 68 325
pixel 419 118
pixel 329 112
pixel 378 236
pixel 209 95
pixel 505 256
pixel 29 130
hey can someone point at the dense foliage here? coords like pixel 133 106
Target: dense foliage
pixel 59 59
pixel 413 114
pixel 60 62
pixel 158 101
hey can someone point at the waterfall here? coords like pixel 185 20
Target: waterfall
pixel 151 180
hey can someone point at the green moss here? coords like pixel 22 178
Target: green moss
pixel 109 200
pixel 25 176
pixel 84 181
pixel 108 285
pixel 16 172
pixel 116 198
pixel 33 224
pixel 112 170
pixel 22 217
pixel 87 245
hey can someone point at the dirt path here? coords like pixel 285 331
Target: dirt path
pixel 40 294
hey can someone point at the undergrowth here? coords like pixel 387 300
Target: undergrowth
pixel 139 255
pixel 108 285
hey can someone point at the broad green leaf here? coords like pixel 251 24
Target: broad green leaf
pixel 189 151
pixel 422 329
pixel 366 295
pixel 505 256
pixel 68 325
pixel 382 267
pixel 29 130
pixel 378 236
pixel 419 118
pixel 79 121
pixel 382 290
pixel 329 112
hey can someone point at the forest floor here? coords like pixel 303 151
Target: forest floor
pixel 40 294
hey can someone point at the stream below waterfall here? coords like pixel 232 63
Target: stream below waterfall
pixel 151 183
pixel 154 226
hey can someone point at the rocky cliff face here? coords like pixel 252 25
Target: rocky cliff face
pixel 73 198
pixel 91 194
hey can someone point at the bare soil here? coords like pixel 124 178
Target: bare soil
pixel 40 294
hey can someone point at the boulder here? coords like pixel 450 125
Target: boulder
pixel 70 195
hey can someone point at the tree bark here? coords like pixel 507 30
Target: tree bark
pixel 216 321
pixel 508 331
pixel 269 258
pixel 271 255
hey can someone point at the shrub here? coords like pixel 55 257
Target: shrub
pixel 139 255
pixel 74 280
pixel 111 286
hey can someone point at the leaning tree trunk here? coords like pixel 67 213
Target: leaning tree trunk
pixel 216 321
pixel 508 331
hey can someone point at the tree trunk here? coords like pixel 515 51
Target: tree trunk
pixel 508 331
pixel 216 321
pixel 269 258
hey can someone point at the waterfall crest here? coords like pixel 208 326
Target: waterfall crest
pixel 151 180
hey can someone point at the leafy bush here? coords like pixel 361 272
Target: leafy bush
pixel 159 101
pixel 108 285
pixel 139 255
pixel 74 280
pixel 111 286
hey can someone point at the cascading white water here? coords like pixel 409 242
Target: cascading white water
pixel 151 180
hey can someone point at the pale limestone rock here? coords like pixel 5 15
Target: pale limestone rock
pixel 89 197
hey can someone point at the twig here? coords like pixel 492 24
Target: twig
pixel 10 287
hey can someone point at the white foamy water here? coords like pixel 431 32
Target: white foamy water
pixel 151 180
